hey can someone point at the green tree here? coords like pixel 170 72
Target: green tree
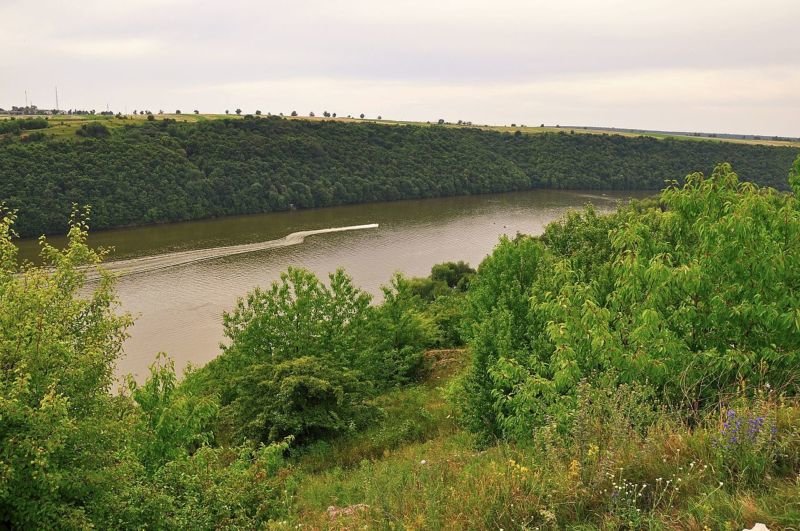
pixel 62 435
pixel 794 177
pixel 691 294
pixel 301 331
pixel 93 130
pixel 177 422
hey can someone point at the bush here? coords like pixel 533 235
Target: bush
pixel 305 397
pixel 692 296
pixel 25 124
pixel 36 136
pixel 93 130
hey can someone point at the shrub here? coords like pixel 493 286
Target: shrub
pixel 93 130
pixel 305 397
pixel 691 295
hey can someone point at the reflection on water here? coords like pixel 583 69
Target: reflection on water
pixel 179 309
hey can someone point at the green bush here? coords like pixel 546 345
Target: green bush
pixel 306 397
pixel 305 358
pixel 693 295
pixel 93 130
pixel 24 124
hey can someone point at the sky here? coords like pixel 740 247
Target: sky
pixel 727 66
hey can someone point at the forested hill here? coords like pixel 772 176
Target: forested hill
pixel 169 171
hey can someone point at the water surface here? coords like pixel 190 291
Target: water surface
pixel 178 303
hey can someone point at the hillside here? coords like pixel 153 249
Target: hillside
pixel 636 370
pixel 164 170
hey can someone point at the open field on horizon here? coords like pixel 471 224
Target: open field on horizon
pixel 64 126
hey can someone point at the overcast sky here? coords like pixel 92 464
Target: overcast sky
pixel 696 65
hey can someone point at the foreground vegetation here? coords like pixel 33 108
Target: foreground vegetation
pixel 637 370
pixel 164 170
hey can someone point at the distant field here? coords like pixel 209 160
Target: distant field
pixel 66 125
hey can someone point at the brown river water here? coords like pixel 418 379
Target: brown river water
pixel 177 279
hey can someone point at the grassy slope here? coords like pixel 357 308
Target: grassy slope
pixel 417 470
pixel 64 127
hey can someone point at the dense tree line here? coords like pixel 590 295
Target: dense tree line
pixel 167 171
pixel 24 124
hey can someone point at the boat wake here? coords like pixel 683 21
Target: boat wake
pixel 134 266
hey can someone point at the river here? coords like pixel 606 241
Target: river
pixel 177 279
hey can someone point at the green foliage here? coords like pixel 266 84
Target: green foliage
pixel 454 274
pixel 436 301
pixel 177 421
pixel 299 316
pixel 625 463
pixel 402 330
pixel 232 488
pixel 616 355
pixel 794 177
pixel 500 331
pixel 61 432
pixel 24 124
pixel 297 337
pixel 305 358
pixel 305 397
pixel 693 296
pixel 72 456
pixel 162 170
pixel 93 130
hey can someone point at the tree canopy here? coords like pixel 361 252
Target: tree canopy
pixel 172 171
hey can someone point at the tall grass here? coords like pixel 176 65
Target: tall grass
pixel 625 464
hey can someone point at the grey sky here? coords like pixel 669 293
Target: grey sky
pixel 710 65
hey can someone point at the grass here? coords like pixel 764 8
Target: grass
pixel 63 127
pixel 416 469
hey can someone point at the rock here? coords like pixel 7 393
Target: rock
pixel 757 527
pixel 336 512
